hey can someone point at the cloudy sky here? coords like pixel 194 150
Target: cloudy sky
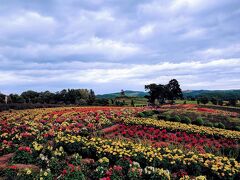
pixel 118 44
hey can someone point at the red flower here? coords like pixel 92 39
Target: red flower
pixel 12 167
pixel 109 172
pixel 64 172
pixel 90 125
pixel 28 149
pixel 106 178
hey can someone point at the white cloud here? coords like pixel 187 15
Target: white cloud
pixel 190 74
pixel 96 46
pixel 147 29
pixel 224 51
pixel 25 23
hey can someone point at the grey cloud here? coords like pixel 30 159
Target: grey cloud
pixel 118 42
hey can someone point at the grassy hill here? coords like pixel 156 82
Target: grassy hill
pixel 127 93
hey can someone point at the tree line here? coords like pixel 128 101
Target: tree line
pixel 65 97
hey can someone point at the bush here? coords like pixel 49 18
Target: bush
pixel 209 124
pixel 168 117
pixel 148 113
pixel 141 114
pixel 219 125
pixel 199 121
pixel 215 125
pixel 186 120
pixel 161 116
pixel 237 128
pixel 177 118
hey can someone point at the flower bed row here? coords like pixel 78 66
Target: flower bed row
pixel 22 127
pixel 207 164
pixel 190 128
pixel 156 136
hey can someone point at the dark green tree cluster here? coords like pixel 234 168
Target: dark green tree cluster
pixel 170 91
pixel 69 96
pixel 216 101
pixel 2 98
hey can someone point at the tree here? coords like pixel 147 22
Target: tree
pixel 214 101
pixel 173 90
pixel 220 102
pixel 153 92
pixel 161 92
pixel 122 93
pixel 132 103
pixel 232 102
pixel 15 98
pixel 30 96
pixel 2 97
pixel 203 100
pixel 91 97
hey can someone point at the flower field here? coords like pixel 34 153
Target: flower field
pixel 114 143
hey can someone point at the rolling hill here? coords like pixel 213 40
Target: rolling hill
pixel 224 94
pixel 127 93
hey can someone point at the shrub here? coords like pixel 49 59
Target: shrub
pixel 209 124
pixel 199 121
pixel 141 114
pixel 148 113
pixel 161 116
pixel 215 125
pixel 186 120
pixel 168 117
pixel 237 128
pixel 219 125
pixel 177 118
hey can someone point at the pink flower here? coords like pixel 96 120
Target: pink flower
pixel 117 168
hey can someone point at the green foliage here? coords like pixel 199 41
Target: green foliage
pixel 219 125
pixel 55 165
pixel 186 120
pixel 199 121
pixel 76 174
pixel 168 117
pixel 132 103
pixel 209 124
pixel 177 118
pixel 161 92
pixel 23 157
pixel 237 128
pixel 101 102
pixel 214 101
pixel 148 113
pixel 203 100
pixel 220 102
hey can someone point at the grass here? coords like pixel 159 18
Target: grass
pixel 138 101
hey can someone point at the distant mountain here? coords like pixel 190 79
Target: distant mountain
pixel 224 94
pixel 127 93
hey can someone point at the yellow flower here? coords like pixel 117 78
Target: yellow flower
pixel 28 171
